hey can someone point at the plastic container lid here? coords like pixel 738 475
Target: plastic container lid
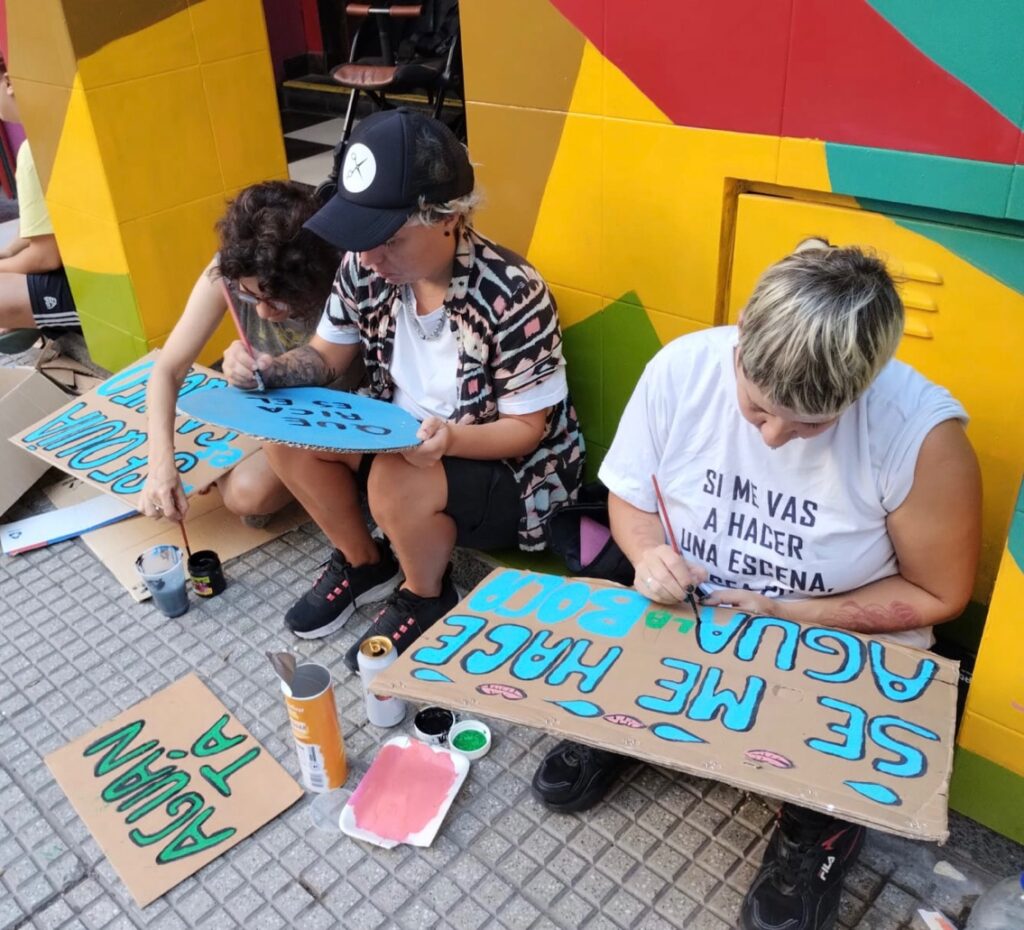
pixel 470 738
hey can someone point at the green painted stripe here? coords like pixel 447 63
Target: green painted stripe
pixel 107 297
pixel 978 43
pixel 988 793
pixel 110 317
pixel 956 184
pixel 606 354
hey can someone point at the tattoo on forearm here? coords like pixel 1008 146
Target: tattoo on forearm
pixel 876 618
pixel 300 367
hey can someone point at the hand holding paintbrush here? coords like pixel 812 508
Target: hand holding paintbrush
pixel 256 374
pixel 667 527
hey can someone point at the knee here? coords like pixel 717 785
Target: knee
pixel 393 491
pixel 245 494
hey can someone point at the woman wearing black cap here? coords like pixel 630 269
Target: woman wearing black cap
pixel 456 330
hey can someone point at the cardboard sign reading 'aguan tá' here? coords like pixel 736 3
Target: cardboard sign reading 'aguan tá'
pixel 821 717
pixel 169 785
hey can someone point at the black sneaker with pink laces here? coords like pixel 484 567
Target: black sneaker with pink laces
pixel 339 590
pixel 406 616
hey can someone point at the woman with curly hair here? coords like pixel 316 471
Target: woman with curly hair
pixel 279 276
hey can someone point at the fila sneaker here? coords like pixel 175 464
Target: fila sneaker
pixel 801 877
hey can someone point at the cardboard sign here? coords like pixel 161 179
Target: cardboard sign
pixel 25 396
pixel 827 719
pixel 210 526
pixel 102 437
pixel 308 417
pixel 45 529
pixel 169 785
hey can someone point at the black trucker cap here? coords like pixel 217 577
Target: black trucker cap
pixel 393 158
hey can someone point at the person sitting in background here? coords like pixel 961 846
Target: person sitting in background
pixel 34 290
pixel 459 332
pixel 878 501
pixel 279 276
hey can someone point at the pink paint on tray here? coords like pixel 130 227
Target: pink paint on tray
pixel 404 790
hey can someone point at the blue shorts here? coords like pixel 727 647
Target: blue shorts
pixel 53 307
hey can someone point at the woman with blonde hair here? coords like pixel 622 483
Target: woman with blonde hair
pixel 809 476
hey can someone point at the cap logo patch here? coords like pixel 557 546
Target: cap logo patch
pixel 359 169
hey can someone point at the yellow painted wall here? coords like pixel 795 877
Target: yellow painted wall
pixel 616 205
pixel 145 120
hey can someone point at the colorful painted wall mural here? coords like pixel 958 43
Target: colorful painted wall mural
pixel 144 119
pixel 651 159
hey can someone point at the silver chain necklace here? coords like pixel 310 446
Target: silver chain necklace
pixel 435 332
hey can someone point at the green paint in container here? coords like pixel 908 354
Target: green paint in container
pixel 471 738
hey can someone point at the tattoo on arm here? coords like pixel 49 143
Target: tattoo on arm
pixel 300 368
pixel 876 618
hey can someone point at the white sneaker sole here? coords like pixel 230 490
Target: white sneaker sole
pixel 378 593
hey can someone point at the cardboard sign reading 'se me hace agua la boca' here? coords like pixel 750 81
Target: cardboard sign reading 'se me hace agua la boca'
pixel 821 717
pixel 102 437
pixel 169 785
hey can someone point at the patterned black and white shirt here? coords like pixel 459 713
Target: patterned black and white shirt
pixel 506 324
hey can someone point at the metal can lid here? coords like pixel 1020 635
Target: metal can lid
pixel 376 647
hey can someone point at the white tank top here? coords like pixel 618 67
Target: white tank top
pixel 804 520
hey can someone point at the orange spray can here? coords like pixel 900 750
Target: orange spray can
pixel 314 720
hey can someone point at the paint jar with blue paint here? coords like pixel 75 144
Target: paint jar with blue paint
pixel 163 571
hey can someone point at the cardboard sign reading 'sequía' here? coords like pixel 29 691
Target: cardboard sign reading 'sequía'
pixel 822 717
pixel 102 437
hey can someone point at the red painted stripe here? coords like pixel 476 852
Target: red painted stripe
pixel 718 65
pixel 822 69
pixel 853 78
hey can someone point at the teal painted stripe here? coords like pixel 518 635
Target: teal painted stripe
pixel 935 181
pixel 1015 205
pixel 1015 543
pixel 988 224
pixel 978 43
pixel 999 256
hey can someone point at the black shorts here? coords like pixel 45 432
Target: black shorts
pixel 483 500
pixel 53 307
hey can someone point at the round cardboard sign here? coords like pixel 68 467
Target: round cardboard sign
pixel 308 417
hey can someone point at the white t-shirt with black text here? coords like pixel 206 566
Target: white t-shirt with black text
pixel 425 370
pixel 803 520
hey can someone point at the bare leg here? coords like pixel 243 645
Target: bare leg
pixel 252 487
pixel 15 307
pixel 325 484
pixel 408 504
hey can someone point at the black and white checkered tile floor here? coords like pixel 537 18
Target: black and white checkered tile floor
pixel 308 141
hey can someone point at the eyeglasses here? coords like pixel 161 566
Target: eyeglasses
pixel 252 300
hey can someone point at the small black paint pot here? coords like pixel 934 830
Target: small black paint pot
pixel 207 575
pixel 431 725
